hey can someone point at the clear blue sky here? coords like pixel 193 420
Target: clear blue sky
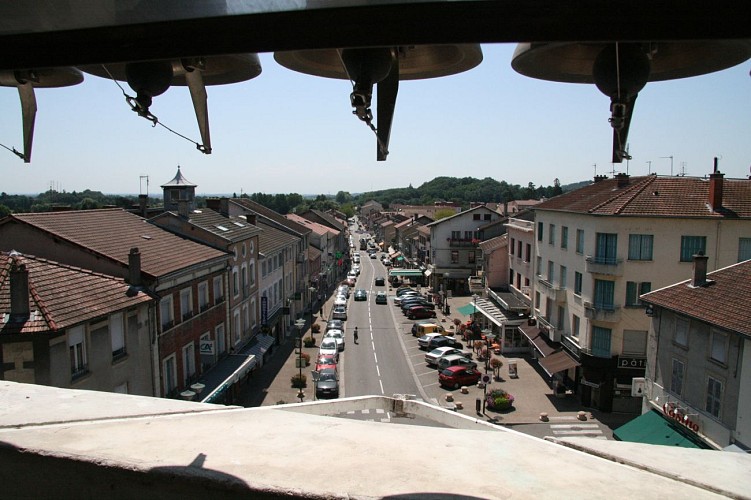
pixel 288 132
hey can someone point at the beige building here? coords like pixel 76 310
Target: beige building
pixel 598 248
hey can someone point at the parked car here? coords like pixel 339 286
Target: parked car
pixel 328 384
pixel 417 301
pixel 402 290
pixel 432 357
pixel 420 328
pixel 401 298
pixel 340 312
pixel 381 298
pixel 372 255
pixel 340 300
pixel 337 335
pixel 454 377
pixel 325 361
pixel 356 269
pixel 444 341
pixel 423 341
pixel 335 324
pixel 380 281
pixel 420 312
pixel 328 346
pixel 361 294
pixel 455 360
pixel 350 281
pixel 352 274
pixel 386 262
pixel 343 289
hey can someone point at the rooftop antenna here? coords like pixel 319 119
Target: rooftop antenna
pixel 140 184
pixel 649 169
pixel 683 169
pixel 595 166
pixel 671 163
pixel 627 157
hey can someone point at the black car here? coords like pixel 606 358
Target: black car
pixel 328 384
pixel 444 341
pixel 380 281
pixel 418 301
pixel 361 294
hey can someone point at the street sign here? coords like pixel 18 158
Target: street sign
pixel 207 347
pixel 486 378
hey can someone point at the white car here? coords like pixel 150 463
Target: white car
pixel 433 357
pixel 409 295
pixel 340 312
pixel 343 290
pixel 455 360
pixel 340 300
pixel 352 274
pixel 330 347
pixel 425 339
pixel 337 335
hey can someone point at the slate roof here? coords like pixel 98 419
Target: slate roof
pixel 271 239
pixel 61 296
pixel 179 180
pixel 655 196
pixel 725 301
pixel 273 216
pixel 111 233
pixel 229 228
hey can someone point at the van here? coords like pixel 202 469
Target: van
pixel 425 328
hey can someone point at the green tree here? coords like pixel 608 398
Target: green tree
pixel 443 213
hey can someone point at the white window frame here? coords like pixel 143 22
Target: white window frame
pixel 189 361
pixel 718 346
pixel 166 305
pixel 218 290
pixel 203 296
pixel 186 303
pixel 117 335
pixel 170 378
pixel 76 339
pixel 681 332
pixel 677 376
pixel 713 404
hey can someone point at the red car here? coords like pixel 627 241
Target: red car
pixel 454 377
pixel 420 312
pixel 325 361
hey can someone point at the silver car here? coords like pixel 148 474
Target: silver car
pixel 340 312
pixel 337 335
pixel 455 360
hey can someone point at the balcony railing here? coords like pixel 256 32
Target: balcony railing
pixel 553 333
pixel 606 266
pixel 462 242
pixel 555 292
pixel 608 313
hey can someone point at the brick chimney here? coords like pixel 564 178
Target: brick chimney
pixel 700 270
pixel 715 188
pixel 599 178
pixel 19 293
pixel 182 208
pixel 142 202
pixel 213 204
pixel 622 179
pixel 224 206
pixel 134 267
pixel 251 218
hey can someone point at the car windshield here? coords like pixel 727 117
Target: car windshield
pixel 447 373
pixel 328 344
pixel 327 376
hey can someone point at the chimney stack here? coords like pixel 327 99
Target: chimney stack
pixel 250 217
pixel 213 204
pixel 700 270
pixel 224 206
pixel 622 179
pixel 715 188
pixel 182 208
pixel 134 267
pixel 142 202
pixel 599 178
pixel 19 292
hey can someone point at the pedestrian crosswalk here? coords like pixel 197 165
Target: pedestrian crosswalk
pixel 575 428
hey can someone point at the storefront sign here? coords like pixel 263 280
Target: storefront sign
pixel 589 384
pixel 207 347
pixel 637 363
pixel 670 411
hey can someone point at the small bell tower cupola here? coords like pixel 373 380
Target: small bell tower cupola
pixel 179 191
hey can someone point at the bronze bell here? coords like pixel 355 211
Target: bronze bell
pixel 620 70
pixel 152 78
pixel 383 66
pixel 26 81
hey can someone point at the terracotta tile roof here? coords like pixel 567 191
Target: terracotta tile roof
pixel 725 301
pixel 488 246
pixel 655 196
pixel 317 228
pixel 330 220
pixel 61 296
pixel 111 233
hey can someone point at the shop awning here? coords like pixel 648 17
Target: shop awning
pixel 491 311
pixel 468 309
pixel 558 362
pixel 263 342
pixel 652 428
pixel 409 273
pixel 535 336
pixel 227 372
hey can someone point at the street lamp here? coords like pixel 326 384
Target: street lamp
pixel 311 292
pixel 300 324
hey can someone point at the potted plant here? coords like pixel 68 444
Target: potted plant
pixel 306 357
pixel 309 341
pixel 299 381
pixel 496 364
pixel 316 328
pixel 499 400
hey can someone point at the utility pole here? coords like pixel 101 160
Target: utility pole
pixel 649 162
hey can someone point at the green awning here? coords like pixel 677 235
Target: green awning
pixel 410 273
pixel 468 309
pixel 652 428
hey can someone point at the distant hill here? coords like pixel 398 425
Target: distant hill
pixel 465 190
